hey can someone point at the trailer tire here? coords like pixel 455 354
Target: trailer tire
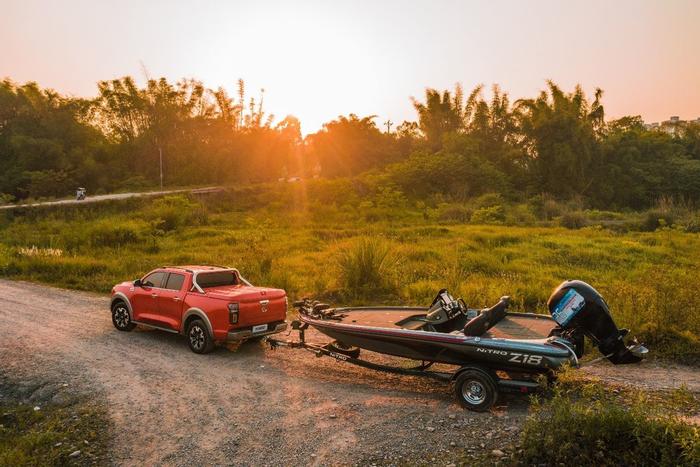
pixel 349 350
pixel 475 390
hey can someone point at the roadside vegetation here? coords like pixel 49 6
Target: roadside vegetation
pixel 40 431
pixel 368 249
pixel 586 422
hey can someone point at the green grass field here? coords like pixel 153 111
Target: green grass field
pixel 364 252
pixel 385 250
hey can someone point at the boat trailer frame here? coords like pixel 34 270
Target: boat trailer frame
pixel 324 350
pixel 422 370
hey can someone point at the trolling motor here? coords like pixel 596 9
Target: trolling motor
pixel 576 306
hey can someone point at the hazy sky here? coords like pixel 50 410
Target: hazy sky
pixel 319 59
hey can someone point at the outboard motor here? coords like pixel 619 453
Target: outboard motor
pixel 575 306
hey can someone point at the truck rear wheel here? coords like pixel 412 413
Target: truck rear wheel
pixel 121 318
pixel 198 337
pixel 476 390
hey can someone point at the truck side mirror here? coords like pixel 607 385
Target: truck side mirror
pixel 138 283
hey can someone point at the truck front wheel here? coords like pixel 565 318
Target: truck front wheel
pixel 198 337
pixel 120 317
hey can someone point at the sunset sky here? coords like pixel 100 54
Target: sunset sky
pixel 319 59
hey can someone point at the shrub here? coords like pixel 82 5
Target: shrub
pixel 114 233
pixel 545 207
pixel 573 220
pixel 654 218
pixel 135 183
pixel 692 225
pixel 488 200
pixel 171 212
pixel 455 213
pixel 564 431
pixel 390 197
pixel 366 267
pixel 520 214
pixel 490 215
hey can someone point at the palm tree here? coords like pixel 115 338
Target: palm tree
pixel 440 114
pixel 560 132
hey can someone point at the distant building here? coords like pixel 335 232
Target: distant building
pixel 673 126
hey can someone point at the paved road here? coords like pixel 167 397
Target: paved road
pixel 98 198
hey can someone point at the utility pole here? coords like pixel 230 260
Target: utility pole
pixel 388 124
pixel 160 155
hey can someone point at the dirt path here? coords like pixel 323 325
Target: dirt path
pixel 113 196
pixel 250 407
pixel 652 375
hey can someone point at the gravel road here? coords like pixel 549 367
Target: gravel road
pixel 251 406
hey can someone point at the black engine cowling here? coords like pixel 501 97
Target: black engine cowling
pixel 575 305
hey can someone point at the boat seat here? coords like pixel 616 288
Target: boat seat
pixel 487 319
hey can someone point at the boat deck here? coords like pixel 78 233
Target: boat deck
pixel 513 326
pixel 521 327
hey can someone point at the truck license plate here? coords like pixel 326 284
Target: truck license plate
pixel 259 328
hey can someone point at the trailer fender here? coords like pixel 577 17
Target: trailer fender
pixel 490 373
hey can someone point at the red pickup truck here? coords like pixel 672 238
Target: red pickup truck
pixel 207 304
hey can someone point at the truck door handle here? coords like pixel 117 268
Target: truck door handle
pixel 177 299
pixel 154 295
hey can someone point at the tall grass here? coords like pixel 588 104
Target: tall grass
pixel 367 268
pixel 646 277
pixel 589 425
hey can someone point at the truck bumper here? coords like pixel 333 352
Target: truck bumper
pixel 248 333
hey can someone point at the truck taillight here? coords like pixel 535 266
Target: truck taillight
pixel 233 313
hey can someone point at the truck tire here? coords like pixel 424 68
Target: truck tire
pixel 198 337
pixel 121 318
pixel 476 390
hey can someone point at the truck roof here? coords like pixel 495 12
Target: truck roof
pixel 199 268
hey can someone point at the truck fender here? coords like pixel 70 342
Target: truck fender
pixel 121 297
pixel 200 314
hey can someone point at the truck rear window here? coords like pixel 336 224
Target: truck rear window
pixel 217 279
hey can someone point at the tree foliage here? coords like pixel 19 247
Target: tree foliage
pixel 557 143
pixel 348 146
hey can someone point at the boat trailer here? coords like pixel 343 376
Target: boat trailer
pixel 476 387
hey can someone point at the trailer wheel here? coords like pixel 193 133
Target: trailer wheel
pixel 476 390
pixel 349 350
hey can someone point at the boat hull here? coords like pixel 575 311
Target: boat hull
pixel 531 355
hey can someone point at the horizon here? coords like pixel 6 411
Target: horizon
pixel 317 61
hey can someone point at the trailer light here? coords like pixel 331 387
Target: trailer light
pixel 233 313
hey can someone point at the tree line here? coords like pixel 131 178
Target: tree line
pixel 557 143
